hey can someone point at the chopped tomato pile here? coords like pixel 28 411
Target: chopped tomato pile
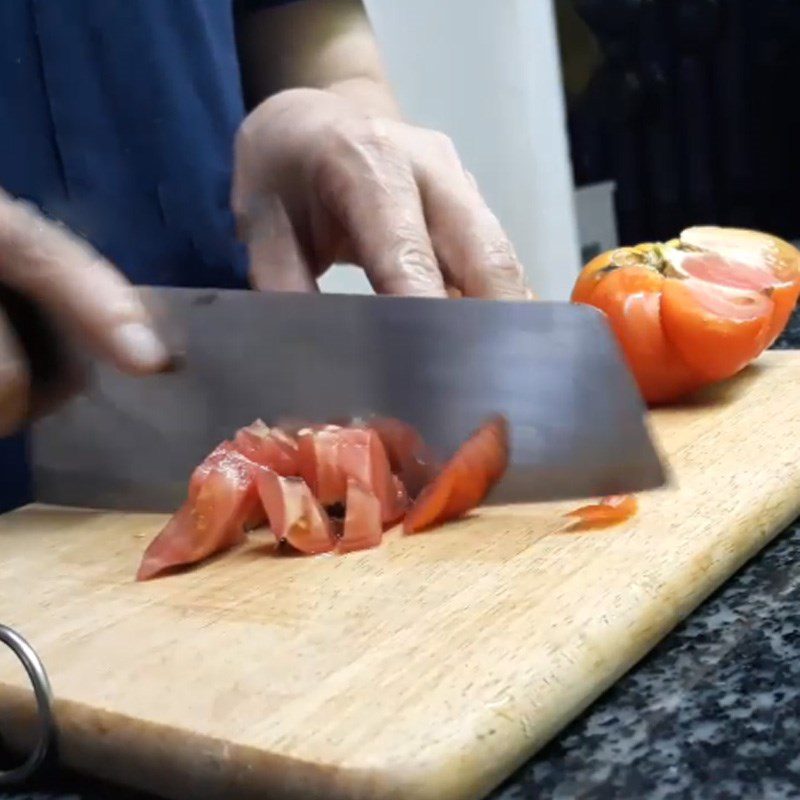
pixel 608 511
pixel 325 488
pixel 697 309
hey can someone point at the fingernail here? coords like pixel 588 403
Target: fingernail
pixel 140 346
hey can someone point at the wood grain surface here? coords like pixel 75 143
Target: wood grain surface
pixel 428 668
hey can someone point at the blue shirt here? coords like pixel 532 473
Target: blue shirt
pixel 118 118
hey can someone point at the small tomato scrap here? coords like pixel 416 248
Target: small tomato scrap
pixel 695 310
pixel 609 510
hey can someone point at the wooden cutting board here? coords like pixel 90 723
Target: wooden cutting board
pixel 428 668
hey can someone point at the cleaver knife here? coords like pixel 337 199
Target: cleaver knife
pixel 577 421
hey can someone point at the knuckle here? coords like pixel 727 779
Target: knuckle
pixel 501 260
pixel 412 256
pixel 445 145
pixel 330 178
pixel 471 180
pixel 36 242
pixel 248 132
pixel 361 139
pixel 373 134
pixel 357 154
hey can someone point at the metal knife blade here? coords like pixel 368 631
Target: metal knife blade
pixel 553 369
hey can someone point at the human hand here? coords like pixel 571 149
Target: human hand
pixel 317 181
pixel 78 291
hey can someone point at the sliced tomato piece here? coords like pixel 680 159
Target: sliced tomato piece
pixel 204 468
pixel 465 480
pixel 332 454
pixel 319 457
pixel 225 453
pixel 400 504
pixel 409 456
pixel 212 519
pixel 363 522
pixel 295 516
pixel 363 458
pixel 609 510
pixel 270 447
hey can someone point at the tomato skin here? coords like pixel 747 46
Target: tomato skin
pixel 712 345
pixel 631 300
pixel 695 311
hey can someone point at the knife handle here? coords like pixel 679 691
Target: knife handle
pixel 55 368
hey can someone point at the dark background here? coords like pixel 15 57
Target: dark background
pixel 689 105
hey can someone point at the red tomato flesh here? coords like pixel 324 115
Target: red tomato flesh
pixel 269 447
pixel 266 475
pixel 212 519
pixel 331 455
pixel 295 516
pixel 363 523
pixel 410 458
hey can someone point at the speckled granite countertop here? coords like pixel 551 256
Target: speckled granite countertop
pixel 713 712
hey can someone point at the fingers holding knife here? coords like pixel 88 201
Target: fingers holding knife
pixel 52 270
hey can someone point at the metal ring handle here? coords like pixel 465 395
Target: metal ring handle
pixel 44 700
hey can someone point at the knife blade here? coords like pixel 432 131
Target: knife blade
pixel 554 370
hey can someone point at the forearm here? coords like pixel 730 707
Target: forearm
pixel 323 44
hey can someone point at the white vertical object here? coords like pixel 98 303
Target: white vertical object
pixel 487 73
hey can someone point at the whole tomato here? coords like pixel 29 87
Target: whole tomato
pixel 694 310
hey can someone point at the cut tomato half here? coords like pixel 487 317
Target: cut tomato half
pixel 465 480
pixel 212 519
pixel 295 516
pixel 695 310
pixel 609 510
